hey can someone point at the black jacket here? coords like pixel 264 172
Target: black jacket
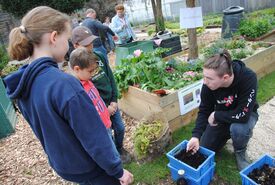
pixel 96 26
pixel 232 104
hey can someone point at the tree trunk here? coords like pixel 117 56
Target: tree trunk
pixel 158 16
pixel 192 36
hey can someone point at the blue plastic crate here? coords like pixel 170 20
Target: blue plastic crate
pixel 203 180
pixel 265 159
pixel 189 170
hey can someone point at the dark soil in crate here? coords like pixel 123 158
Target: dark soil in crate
pixel 264 176
pixel 194 160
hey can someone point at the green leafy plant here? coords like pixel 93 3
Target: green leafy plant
pixel 236 47
pixel 4 58
pixel 235 44
pixel 212 20
pixel 260 44
pixel 149 71
pixel 146 133
pixel 240 54
pixel 253 28
pixel 9 69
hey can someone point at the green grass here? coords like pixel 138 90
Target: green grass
pixel 266 88
pixel 226 169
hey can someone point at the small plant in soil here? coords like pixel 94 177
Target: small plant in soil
pixel 194 160
pixel 264 176
pixel 145 133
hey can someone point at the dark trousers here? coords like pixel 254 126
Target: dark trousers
pixel 103 179
pixel 215 137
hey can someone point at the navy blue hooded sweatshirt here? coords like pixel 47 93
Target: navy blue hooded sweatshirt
pixel 65 121
pixel 233 104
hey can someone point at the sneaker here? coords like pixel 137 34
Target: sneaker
pixel 125 156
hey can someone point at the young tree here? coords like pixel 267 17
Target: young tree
pixel 158 15
pixel 20 7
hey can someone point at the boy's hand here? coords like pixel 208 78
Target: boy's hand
pixel 193 145
pixel 211 120
pixel 115 105
pixel 111 110
pixel 127 178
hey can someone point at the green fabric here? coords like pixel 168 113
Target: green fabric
pixel 104 81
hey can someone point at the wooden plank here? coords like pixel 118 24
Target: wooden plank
pixel 263 62
pixel 146 96
pixel 137 103
pixel 182 120
pixel 172 110
pixel 137 109
pixel 170 98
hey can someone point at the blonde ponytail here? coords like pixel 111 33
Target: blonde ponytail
pixel 35 24
pixel 19 47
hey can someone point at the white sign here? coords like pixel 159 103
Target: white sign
pixel 191 17
pixel 189 97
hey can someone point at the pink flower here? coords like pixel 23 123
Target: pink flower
pixel 137 52
pixel 190 73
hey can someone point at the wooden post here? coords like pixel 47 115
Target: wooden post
pixel 192 36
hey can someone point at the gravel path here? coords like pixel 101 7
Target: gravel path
pixel 263 139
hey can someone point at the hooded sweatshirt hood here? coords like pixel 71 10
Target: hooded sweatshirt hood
pixel 238 68
pixel 19 83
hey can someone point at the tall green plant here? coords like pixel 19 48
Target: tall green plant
pixel 254 28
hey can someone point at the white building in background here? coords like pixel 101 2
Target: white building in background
pixel 141 11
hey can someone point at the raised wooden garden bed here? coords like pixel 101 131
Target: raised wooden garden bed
pixel 268 37
pixel 138 103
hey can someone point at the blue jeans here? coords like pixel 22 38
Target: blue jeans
pixel 215 137
pixel 109 130
pixel 119 129
pixel 111 41
pixel 103 51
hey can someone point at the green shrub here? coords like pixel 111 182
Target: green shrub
pixel 9 69
pixel 172 25
pixel 144 135
pixel 235 44
pixel 150 72
pixel 4 59
pixel 236 48
pixel 260 44
pixel 253 28
pixel 210 20
pixel 238 54
pixel 264 12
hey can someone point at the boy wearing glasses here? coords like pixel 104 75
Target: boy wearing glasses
pixel 228 107
pixel 105 83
